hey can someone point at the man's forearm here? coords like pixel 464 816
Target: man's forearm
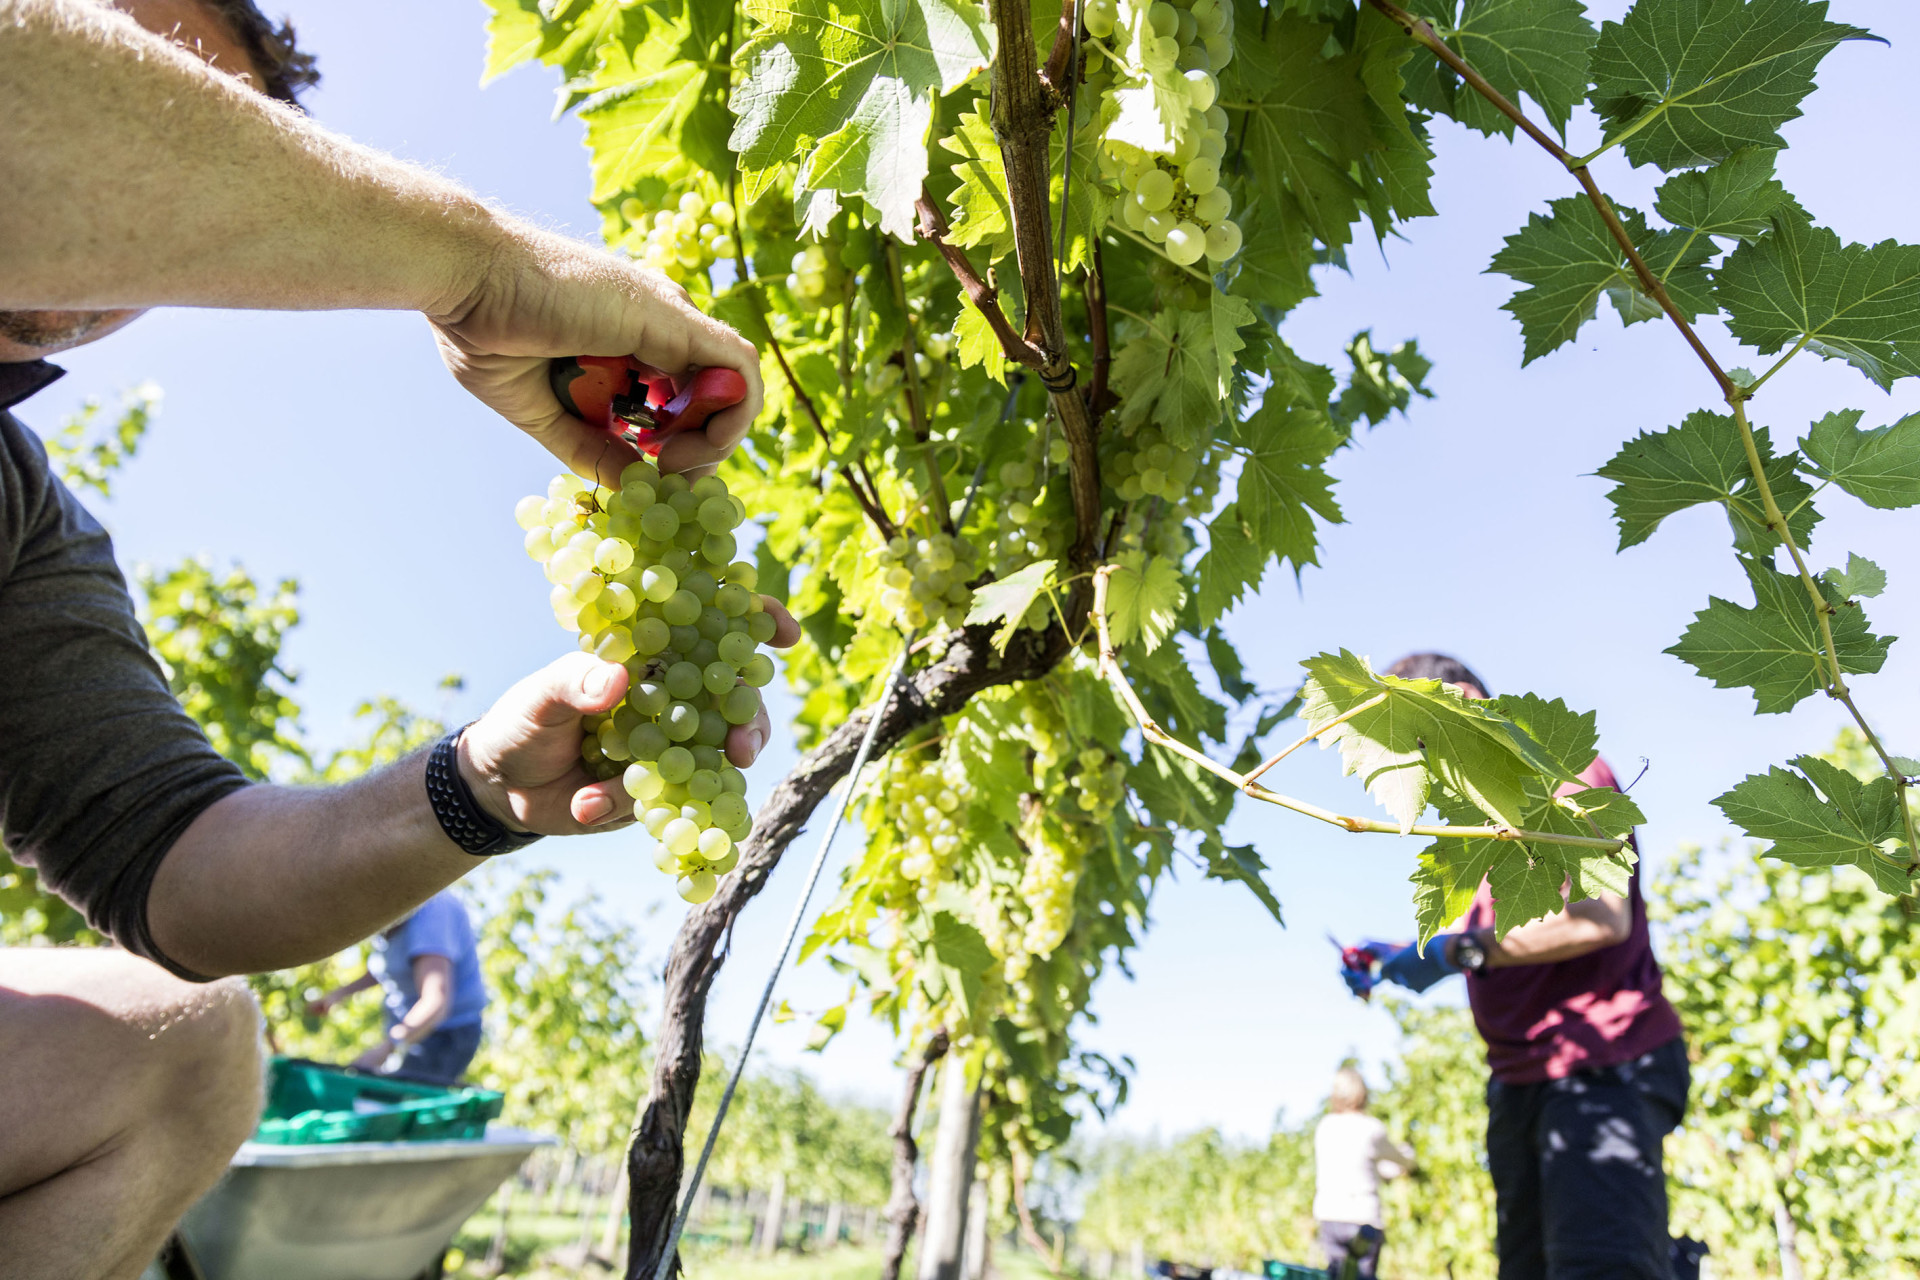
pixel 135 175
pixel 270 877
pixel 1584 927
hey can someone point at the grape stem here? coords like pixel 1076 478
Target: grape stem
pixel 985 298
pixel 1150 729
pixel 1736 396
pixel 869 503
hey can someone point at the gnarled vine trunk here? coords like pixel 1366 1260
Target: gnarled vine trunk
pixel 656 1157
pixel 903 1210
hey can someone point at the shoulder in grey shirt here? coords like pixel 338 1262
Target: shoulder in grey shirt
pixel 100 769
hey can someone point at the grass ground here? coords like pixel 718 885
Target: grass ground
pixel 531 1238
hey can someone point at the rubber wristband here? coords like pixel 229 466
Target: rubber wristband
pixel 460 815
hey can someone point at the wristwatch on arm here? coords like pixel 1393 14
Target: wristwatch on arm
pixel 1469 953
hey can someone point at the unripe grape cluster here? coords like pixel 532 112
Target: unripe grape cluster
pixel 1151 467
pixel 648 579
pixel 1047 883
pixel 924 581
pixel 683 240
pixel 1025 534
pixel 815 278
pixel 922 800
pixel 1177 201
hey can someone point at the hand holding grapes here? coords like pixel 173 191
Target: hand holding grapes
pixel 522 758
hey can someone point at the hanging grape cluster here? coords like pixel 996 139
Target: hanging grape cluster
pixel 648 580
pixel 924 581
pixel 682 241
pixel 922 801
pixel 1177 201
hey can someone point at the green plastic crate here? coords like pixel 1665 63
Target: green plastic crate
pixel 310 1102
pixel 1292 1271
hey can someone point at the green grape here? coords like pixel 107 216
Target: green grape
pixel 661 522
pixel 683 680
pixel 658 583
pixel 713 729
pixel 741 705
pixel 736 650
pixel 675 765
pixel 761 627
pixel 697 886
pixel 648 741
pixel 733 600
pixel 719 676
pixel 729 810
pixel 650 636
pixel 681 722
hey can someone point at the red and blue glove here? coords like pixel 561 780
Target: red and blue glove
pixel 1367 965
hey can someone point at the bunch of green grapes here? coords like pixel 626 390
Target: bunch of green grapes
pixel 1177 201
pixel 1149 466
pixel 1046 885
pixel 681 241
pixel 924 581
pixel 815 278
pixel 922 801
pixel 648 579
pixel 1100 784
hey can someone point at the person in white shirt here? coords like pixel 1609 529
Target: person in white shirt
pixel 1351 1150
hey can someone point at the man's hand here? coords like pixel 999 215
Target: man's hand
pixel 522 758
pixel 544 296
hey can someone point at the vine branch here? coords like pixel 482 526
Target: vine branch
pixel 1420 30
pixel 1151 730
pixel 1023 108
pixel 869 502
pixel 985 298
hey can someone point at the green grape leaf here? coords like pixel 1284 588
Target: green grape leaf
pixel 1774 647
pixel 1569 261
pixel 1144 108
pixel 981 215
pixel 1880 467
pixel 1240 863
pixel 1536 47
pixel 1906 765
pixel 1736 198
pixel 1233 562
pixel 975 343
pixel 1304 115
pixel 654 106
pixel 1862 579
pixel 1570 740
pixel 1227 667
pixel 847 90
pixel 1381 383
pixel 1845 822
pixel 1703 460
pixel 963 955
pixel 1230 314
pixel 1144 599
pixel 1170 375
pixel 1445 879
pixel 515 33
pixel 1009 598
pixel 1799 285
pixel 1420 734
pixel 1179 793
pixel 1684 83
pixel 1276 264
pixel 1283 480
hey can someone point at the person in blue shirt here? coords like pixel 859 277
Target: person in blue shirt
pixel 429 969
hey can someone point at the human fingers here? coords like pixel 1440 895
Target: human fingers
pixel 786 629
pixel 746 741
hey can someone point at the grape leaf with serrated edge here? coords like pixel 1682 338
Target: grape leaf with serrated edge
pixel 1240 863
pixel 1304 119
pixel 1683 83
pixel 1233 562
pixel 1568 260
pixel 1880 467
pixel 847 89
pixel 1703 460
pixel 1862 579
pixel 1422 734
pixel 1846 827
pixel 980 209
pixel 1283 480
pixel 1858 303
pixel 1774 647
pixel 1536 47
pixel 1735 198
pixel 1009 598
pixel 1170 375
pixel 1144 596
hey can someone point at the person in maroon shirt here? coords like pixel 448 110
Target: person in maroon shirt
pixel 1589 1070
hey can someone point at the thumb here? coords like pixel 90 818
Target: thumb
pixel 578 684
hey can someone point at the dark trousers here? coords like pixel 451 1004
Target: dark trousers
pixel 1337 1241
pixel 442 1057
pixel 1577 1169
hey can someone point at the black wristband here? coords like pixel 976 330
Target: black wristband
pixel 460 815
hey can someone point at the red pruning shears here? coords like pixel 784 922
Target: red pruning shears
pixel 637 403
pixel 1356 967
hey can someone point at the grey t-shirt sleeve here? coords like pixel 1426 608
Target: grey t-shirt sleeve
pixel 100 768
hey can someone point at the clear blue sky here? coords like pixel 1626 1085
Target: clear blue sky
pixel 333 448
